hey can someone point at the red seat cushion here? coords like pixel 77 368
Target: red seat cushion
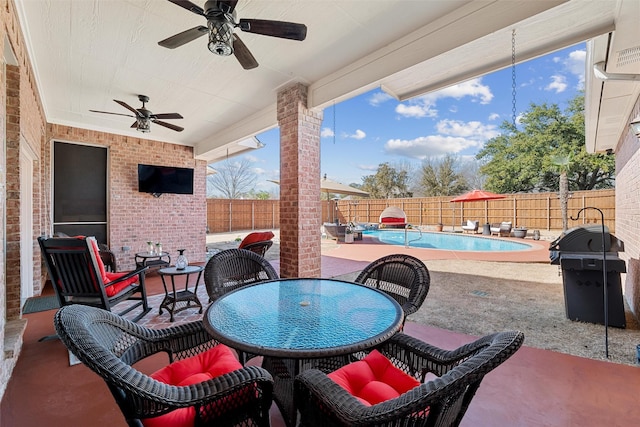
pixel 258 236
pixel 373 379
pixel 196 369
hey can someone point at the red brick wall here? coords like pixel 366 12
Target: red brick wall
pixel 299 180
pixel 178 221
pixel 22 122
pixel 12 116
pixel 628 211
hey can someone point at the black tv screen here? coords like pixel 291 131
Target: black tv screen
pixel 164 179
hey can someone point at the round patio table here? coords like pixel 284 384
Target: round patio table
pixel 302 323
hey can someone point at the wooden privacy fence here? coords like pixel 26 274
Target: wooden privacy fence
pixel 534 211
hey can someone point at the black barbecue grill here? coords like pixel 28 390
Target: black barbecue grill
pixel 579 253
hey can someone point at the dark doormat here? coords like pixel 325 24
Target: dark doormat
pixel 37 304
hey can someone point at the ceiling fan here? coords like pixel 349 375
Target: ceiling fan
pixel 221 21
pixel 144 117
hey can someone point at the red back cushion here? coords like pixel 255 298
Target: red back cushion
pixel 373 379
pixel 108 276
pixel 202 367
pixel 258 236
pixel 390 220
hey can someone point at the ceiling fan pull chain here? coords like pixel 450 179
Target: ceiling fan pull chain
pixel 513 76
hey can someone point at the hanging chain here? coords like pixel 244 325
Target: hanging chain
pixel 513 75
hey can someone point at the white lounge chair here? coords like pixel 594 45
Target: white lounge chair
pixel 471 227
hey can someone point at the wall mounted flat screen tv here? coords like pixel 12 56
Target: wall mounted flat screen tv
pixel 164 179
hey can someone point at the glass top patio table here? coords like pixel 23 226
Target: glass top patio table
pixel 303 318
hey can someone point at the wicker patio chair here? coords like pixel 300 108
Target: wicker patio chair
pixel 440 401
pixel 233 268
pixel 403 277
pixel 79 276
pixel 109 345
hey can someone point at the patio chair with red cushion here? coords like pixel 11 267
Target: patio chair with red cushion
pixel 258 242
pixel 403 382
pixel 78 276
pixel 203 383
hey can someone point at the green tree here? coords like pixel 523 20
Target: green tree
pixel 233 179
pixel 442 178
pixel 523 160
pixel 387 183
pixel 259 195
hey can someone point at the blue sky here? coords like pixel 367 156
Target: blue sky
pixel 374 128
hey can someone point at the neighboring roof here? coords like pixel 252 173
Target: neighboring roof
pixel 329 186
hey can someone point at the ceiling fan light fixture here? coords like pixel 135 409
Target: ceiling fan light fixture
pixel 144 125
pixel 220 37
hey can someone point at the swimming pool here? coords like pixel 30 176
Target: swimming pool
pixel 452 242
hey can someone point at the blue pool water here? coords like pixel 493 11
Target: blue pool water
pixel 452 242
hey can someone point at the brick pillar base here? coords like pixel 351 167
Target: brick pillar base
pixel 300 208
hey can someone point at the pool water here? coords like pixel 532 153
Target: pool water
pixel 452 242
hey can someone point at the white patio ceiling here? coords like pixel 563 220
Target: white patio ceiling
pixel 87 53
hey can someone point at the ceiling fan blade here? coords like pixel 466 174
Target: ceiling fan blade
pixel 128 107
pixel 243 55
pixel 168 125
pixel 165 116
pixel 183 37
pixel 134 125
pixel 108 112
pixel 189 6
pixel 282 29
pixel 227 6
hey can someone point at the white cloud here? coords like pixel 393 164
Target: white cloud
pixel 251 158
pixel 424 106
pixel 453 137
pixel 379 98
pixel 494 116
pixel 429 146
pixel 473 130
pixel 368 167
pixel 575 65
pixel 326 133
pixel 359 134
pixel 416 111
pixel 259 171
pixel 473 88
pixel 558 84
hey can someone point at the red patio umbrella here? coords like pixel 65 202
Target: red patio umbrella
pixel 475 196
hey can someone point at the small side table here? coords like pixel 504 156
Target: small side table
pixel 175 301
pixel 153 260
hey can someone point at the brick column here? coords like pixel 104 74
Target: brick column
pixel 300 208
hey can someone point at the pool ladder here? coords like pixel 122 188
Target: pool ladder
pixel 406 236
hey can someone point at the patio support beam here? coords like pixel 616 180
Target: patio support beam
pixel 300 208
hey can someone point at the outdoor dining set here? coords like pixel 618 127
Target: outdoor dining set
pixel 325 351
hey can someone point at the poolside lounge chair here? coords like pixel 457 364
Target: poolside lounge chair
pixel 502 229
pixel 393 217
pixel 471 227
